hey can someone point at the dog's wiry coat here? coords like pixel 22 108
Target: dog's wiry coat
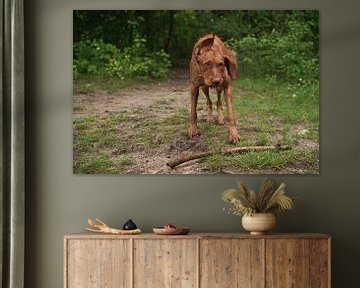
pixel 212 65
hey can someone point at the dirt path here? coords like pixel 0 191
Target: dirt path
pixel 141 96
pixel 159 99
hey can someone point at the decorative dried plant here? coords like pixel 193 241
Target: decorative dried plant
pixel 101 227
pixel 268 200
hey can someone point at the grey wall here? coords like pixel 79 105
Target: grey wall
pixel 58 202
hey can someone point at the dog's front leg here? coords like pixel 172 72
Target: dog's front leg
pixel 193 130
pixel 233 132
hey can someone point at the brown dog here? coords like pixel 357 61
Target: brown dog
pixel 212 65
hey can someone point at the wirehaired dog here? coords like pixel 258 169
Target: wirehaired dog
pixel 214 66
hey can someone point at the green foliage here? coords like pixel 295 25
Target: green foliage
pixel 287 54
pixel 91 56
pixel 103 59
pixel 269 42
pixel 137 61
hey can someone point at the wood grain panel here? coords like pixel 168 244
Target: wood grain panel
pixel 231 263
pixel 319 263
pixel 287 263
pixel 166 263
pixel 205 260
pixel 98 264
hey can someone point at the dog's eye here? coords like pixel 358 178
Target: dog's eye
pixel 221 64
pixel 207 64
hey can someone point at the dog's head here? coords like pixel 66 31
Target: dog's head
pixel 217 64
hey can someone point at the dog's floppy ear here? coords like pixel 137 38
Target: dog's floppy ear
pixel 204 42
pixel 230 63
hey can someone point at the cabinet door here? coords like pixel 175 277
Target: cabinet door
pixel 320 263
pixel 287 263
pixel 297 263
pixel 98 263
pixel 231 263
pixel 165 263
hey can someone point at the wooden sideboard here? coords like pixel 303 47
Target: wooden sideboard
pixel 197 260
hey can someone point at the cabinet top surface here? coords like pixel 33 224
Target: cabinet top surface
pixel 87 235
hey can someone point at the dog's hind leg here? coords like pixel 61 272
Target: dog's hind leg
pixel 233 132
pixel 220 116
pixel 210 117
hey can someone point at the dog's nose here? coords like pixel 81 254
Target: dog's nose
pixel 216 82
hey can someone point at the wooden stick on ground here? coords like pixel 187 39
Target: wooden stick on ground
pixel 191 156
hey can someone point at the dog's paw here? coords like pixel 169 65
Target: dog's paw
pixel 234 135
pixel 210 120
pixel 220 120
pixel 193 132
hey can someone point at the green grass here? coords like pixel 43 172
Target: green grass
pixel 289 102
pixel 95 135
pixel 268 112
pixel 257 161
pixel 94 164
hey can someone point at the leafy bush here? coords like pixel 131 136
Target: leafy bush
pixel 91 57
pixel 285 54
pixel 102 59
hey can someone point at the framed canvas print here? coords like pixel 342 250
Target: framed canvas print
pixel 161 92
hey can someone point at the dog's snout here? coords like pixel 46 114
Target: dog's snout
pixel 216 82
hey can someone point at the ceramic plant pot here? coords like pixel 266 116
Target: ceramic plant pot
pixel 259 223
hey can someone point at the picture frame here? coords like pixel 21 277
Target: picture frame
pixel 132 82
